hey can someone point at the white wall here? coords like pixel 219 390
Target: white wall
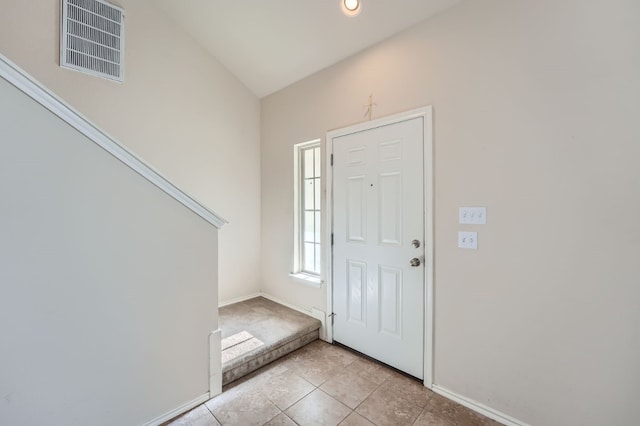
pixel 107 282
pixel 535 109
pixel 178 109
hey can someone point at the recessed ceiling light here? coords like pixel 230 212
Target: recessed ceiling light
pixel 350 7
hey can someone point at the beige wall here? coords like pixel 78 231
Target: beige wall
pixel 106 282
pixel 535 109
pixel 179 110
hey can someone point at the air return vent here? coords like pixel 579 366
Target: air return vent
pixel 92 39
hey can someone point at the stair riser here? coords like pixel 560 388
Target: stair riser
pixel 267 357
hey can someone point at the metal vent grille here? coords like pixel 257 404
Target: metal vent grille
pixel 92 39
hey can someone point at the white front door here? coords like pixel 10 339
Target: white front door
pixel 378 252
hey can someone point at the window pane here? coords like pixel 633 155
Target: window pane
pixel 316 190
pixel 317 258
pixel 309 257
pixel 308 200
pixel 317 225
pixel 309 224
pixel 316 154
pixel 308 163
pixel 308 189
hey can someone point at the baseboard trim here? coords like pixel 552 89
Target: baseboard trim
pixel 177 411
pixel 322 317
pixel 266 296
pixel 238 299
pixel 283 303
pixel 315 313
pixel 478 407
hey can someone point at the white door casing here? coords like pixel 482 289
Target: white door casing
pixel 379 196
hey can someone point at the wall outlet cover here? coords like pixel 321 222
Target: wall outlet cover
pixel 468 240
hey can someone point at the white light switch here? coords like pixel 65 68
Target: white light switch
pixel 468 240
pixel 473 215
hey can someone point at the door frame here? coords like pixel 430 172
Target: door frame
pixel 426 113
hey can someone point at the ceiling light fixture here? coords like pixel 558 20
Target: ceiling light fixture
pixel 350 7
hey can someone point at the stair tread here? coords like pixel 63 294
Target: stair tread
pixel 256 332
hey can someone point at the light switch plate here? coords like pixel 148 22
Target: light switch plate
pixel 473 215
pixel 468 240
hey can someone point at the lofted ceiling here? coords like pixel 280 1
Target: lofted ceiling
pixel 270 44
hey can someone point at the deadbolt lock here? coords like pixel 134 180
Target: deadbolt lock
pixel 415 243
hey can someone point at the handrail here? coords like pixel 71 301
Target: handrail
pixel 34 89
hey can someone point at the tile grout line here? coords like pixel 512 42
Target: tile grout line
pixel 392 386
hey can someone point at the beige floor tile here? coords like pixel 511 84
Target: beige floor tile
pixel 319 361
pixel 310 352
pixel 243 409
pixel 286 389
pixel 442 406
pixel 409 389
pixel 336 354
pixel 199 416
pixel 345 379
pixel 318 408
pixel 350 387
pixel 321 350
pixel 379 394
pixel 428 418
pixel 313 369
pixel 281 420
pixel 373 371
pixel 454 413
pixel 258 378
pixel 385 408
pixel 467 417
pixel 355 419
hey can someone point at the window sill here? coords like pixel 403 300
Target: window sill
pixel 312 280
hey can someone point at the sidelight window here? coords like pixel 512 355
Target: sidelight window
pixel 308 212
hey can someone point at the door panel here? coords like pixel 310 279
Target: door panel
pixel 390 281
pixel 378 210
pixel 356 288
pixel 390 208
pixel 356 209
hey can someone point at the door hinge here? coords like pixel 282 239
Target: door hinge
pixel 333 317
pixel 331 161
pixel 332 239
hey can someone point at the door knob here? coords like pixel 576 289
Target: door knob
pixel 415 262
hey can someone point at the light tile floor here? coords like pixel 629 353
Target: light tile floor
pixel 322 384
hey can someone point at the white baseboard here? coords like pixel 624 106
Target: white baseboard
pixel 283 303
pixel 266 296
pixel 180 410
pixel 478 407
pixel 239 299
pixel 319 315
pixel 315 313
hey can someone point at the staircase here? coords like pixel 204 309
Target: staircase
pixel 258 331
